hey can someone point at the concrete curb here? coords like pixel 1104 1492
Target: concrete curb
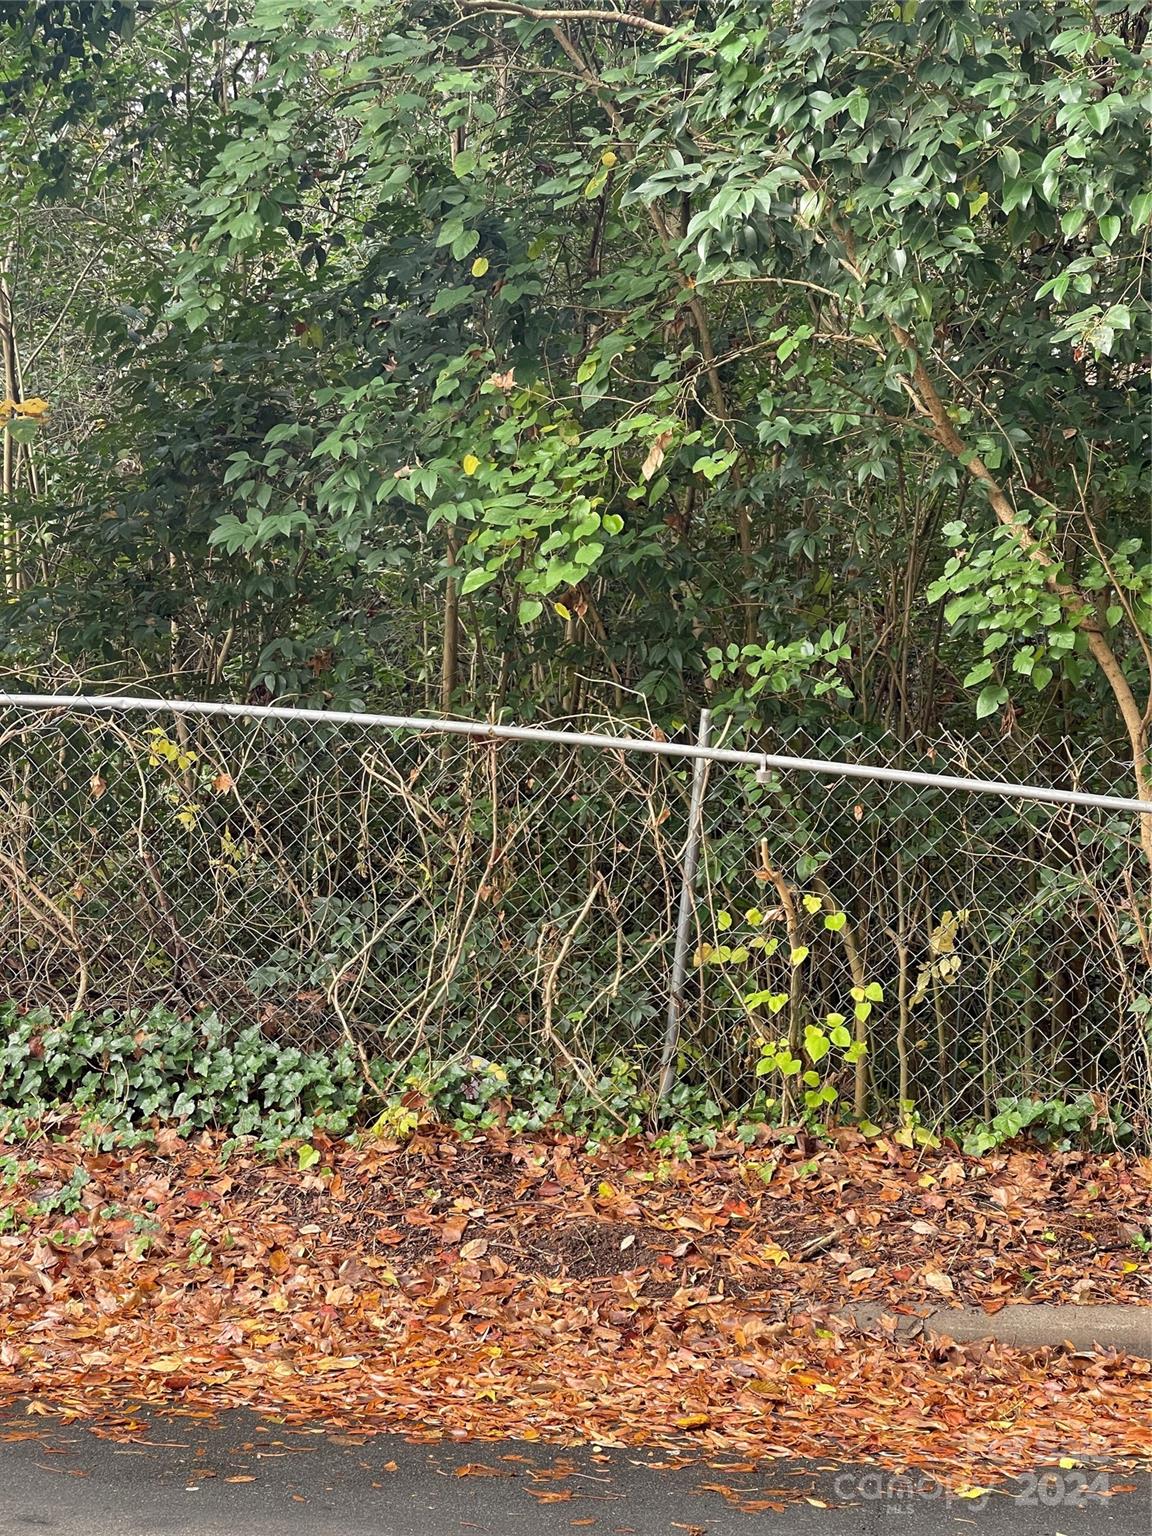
pixel 1110 1325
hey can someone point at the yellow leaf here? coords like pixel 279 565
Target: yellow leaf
pixel 609 158
pixel 811 903
pixel 1068 1462
pixel 562 611
pixel 34 407
pixel 470 464
pixel 825 1388
pixel 693 1421
pixel 1129 1267
pixel 480 266
pixel 775 1254
pixel 800 954
pixel 971 1493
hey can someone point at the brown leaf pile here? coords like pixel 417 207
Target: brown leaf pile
pixel 528 1288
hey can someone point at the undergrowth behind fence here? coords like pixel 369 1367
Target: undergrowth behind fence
pixel 501 915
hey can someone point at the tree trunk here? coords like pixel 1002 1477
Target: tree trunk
pixel 449 657
pixel 1079 609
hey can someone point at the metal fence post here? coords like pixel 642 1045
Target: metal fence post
pixel 685 914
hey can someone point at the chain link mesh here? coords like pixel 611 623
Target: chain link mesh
pixel 438 897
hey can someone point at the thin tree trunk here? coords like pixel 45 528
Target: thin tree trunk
pixel 1079 609
pixel 8 537
pixel 450 654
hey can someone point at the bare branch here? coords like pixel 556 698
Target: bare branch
pixel 621 18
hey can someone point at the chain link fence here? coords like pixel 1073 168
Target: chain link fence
pixel 906 949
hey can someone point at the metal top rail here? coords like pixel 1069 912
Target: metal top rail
pixel 764 762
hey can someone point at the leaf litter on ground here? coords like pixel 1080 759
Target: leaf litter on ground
pixel 527 1287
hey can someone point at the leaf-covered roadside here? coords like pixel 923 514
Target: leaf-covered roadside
pixel 532 1288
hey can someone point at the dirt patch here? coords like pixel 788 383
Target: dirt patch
pixel 595 1250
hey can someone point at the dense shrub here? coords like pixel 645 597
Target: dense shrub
pixel 127 1069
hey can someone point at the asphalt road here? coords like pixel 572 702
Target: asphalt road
pixel 242 1477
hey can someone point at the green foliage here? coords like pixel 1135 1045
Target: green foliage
pixel 643 368
pixel 766 973
pixel 791 360
pixel 1049 1122
pixel 472 1092
pixel 127 1073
